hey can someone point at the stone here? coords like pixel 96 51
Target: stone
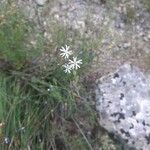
pixel 40 2
pixel 123 103
pixel 146 50
pixel 126 45
pixel 145 39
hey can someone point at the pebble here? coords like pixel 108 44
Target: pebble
pixel 56 16
pixel 138 27
pixel 141 34
pixel 119 45
pixel 122 25
pixel 40 2
pixel 105 41
pixel 126 45
pixel 148 36
pixel 119 25
pixel 145 39
pixel 146 50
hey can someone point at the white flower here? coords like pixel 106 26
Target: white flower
pixel 65 51
pixel 67 68
pixel 75 64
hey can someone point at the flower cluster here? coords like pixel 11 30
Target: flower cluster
pixel 70 64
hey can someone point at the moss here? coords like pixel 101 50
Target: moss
pixel 129 16
pixel 147 4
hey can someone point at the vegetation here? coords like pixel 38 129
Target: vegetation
pixel 41 106
pixel 129 15
pixel 147 4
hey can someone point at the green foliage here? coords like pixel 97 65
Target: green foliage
pixel 129 16
pixel 79 143
pixel 15 32
pixel 146 4
pixel 12 36
pixel 34 93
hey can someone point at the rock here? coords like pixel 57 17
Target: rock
pixel 146 49
pixel 123 102
pixel 148 36
pixel 145 39
pixel 138 27
pixel 119 24
pixel 126 45
pixel 141 34
pixel 79 25
pixel 40 2
pixel 122 25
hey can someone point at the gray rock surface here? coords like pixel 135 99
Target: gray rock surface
pixel 123 102
pixel 40 2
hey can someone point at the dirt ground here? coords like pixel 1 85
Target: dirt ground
pixel 119 29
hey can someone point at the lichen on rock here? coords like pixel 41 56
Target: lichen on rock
pixel 123 102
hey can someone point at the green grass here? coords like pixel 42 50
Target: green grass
pixel 146 5
pixel 38 100
pixel 15 34
pixel 129 15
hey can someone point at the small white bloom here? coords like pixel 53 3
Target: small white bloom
pixel 65 51
pixel 67 68
pixel 75 64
